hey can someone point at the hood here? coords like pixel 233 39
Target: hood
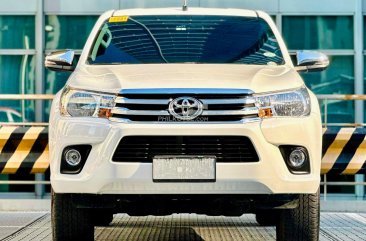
pixel 113 78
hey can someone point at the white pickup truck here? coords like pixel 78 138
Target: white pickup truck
pixel 185 110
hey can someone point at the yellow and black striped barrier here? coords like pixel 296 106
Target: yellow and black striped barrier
pixel 344 151
pixel 23 150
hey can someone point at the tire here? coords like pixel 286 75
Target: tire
pixel 301 223
pixel 68 222
pixel 266 218
pixel 101 217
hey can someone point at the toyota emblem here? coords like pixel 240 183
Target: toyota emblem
pixel 185 108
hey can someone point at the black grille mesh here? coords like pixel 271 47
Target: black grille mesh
pixel 225 148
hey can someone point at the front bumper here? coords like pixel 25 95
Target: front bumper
pixel 268 176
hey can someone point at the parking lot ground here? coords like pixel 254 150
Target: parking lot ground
pixel 37 226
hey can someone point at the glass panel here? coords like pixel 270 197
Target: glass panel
pixel 338 189
pixel 16 117
pixel 17 32
pixel 364 35
pixel 3 115
pixel 274 18
pixel 18 188
pixel 318 32
pixel 364 83
pixel 17 76
pixel 55 81
pixel 337 79
pixel 4 188
pixel 68 32
pixel 186 39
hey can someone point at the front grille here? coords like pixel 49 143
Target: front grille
pixel 225 148
pixel 152 105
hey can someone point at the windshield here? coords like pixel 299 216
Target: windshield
pixel 185 39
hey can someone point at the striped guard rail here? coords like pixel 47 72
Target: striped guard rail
pixel 344 151
pixel 23 150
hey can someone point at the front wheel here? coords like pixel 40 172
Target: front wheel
pixel 68 222
pixel 301 223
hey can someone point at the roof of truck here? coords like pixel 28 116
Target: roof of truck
pixel 189 11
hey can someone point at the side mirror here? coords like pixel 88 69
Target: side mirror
pixel 311 61
pixel 62 60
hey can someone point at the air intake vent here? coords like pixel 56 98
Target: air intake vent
pixel 225 148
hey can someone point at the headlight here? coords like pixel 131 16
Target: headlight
pixel 79 103
pixel 291 103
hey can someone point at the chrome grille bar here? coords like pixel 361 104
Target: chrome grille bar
pixel 125 111
pixel 245 101
pixel 245 111
pixel 152 105
pixel 124 100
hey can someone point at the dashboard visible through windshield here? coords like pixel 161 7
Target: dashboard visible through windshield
pixel 185 39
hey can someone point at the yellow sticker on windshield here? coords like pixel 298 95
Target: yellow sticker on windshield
pixel 117 19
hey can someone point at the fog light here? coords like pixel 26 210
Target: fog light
pixel 297 157
pixel 73 157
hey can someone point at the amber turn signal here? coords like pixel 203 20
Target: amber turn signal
pixel 265 113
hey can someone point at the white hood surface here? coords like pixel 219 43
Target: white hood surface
pixel 113 78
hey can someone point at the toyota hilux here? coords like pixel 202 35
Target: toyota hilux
pixel 187 110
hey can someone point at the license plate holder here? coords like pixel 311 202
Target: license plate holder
pixel 184 169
